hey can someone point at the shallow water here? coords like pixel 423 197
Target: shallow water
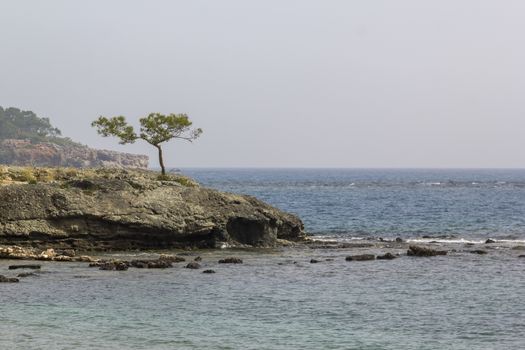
pixel 461 301
pixel 458 301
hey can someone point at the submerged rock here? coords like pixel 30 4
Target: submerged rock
pixel 386 256
pixel 193 265
pixel 490 241
pixel 314 261
pixel 478 251
pixel 414 250
pixel 26 266
pixel 208 271
pixel 114 266
pixel 151 264
pixel 230 260
pixel 140 264
pixel 4 279
pixel 361 257
pixel 26 274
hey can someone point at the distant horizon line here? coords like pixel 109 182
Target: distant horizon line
pixel 337 168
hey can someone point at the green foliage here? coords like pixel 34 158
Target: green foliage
pixel 155 129
pixel 115 126
pixel 186 181
pixel 24 175
pixel 26 125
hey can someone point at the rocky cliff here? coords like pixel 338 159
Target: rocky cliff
pixel 25 153
pixel 124 209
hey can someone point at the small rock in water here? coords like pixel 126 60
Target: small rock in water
pixel 387 256
pixel 489 241
pixel 399 240
pixel 313 261
pixel 414 250
pixel 362 257
pixel 208 271
pixel 230 260
pixel 26 274
pixel 121 266
pixel 193 265
pixel 159 264
pixel 113 266
pixel 197 259
pixel 4 279
pixel 521 256
pixel 478 251
pixel 33 267
pixel 151 264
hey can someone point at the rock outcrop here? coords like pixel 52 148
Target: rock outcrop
pixel 125 209
pixel 25 153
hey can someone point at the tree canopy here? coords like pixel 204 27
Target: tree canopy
pixel 26 125
pixel 155 129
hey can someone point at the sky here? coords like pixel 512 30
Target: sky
pixel 326 83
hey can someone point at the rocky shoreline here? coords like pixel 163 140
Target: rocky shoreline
pixel 309 251
pixel 52 214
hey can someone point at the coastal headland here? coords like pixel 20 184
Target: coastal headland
pixel 122 209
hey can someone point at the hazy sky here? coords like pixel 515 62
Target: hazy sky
pixel 282 83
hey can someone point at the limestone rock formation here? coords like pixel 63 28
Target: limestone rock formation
pixel 124 209
pixel 25 153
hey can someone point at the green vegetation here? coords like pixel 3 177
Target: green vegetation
pixel 26 125
pixel 155 129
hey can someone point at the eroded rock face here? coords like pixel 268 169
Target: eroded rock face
pixel 24 153
pixel 132 209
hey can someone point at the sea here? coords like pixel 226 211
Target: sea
pixel 277 299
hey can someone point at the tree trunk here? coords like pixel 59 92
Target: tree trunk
pixel 161 161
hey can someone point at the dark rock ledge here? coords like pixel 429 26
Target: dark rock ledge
pixel 129 209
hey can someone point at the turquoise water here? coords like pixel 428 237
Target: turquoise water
pixel 278 300
pixel 453 302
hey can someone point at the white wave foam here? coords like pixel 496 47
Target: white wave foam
pixel 325 238
pixel 444 240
